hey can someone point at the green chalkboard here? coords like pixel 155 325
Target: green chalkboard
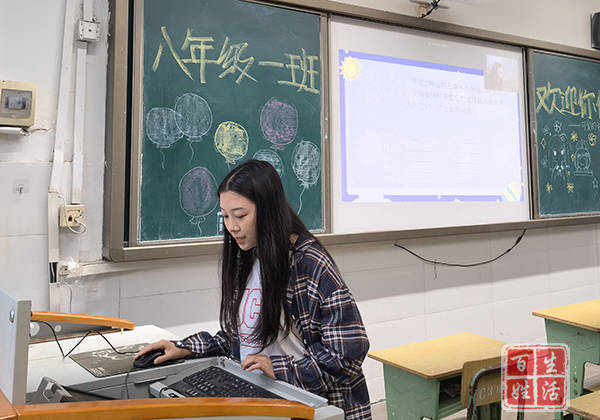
pixel 566 99
pixel 224 81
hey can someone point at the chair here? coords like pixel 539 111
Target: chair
pixel 481 389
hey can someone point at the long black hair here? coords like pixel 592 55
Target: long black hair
pixel 276 221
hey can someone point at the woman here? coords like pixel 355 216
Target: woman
pixel 284 307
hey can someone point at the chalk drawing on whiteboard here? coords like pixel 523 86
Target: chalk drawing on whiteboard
pixel 231 141
pixel 306 163
pixel 193 117
pixel 350 69
pixel 268 155
pixel 278 123
pixel 162 130
pixel 198 194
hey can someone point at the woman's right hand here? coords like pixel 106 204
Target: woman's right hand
pixel 171 351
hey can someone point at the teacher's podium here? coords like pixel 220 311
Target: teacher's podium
pixel 37 379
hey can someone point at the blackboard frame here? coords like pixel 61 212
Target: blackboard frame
pixel 533 132
pixel 135 187
pixel 116 245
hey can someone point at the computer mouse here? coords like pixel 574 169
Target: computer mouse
pixel 146 360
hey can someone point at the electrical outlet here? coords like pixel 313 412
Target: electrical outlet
pixel 72 215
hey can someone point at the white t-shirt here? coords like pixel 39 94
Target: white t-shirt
pixel 249 312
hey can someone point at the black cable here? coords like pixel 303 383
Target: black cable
pixel 58 342
pixel 92 394
pixel 112 347
pixel 434 5
pixel 52 271
pixel 82 338
pixel 78 343
pixel 464 265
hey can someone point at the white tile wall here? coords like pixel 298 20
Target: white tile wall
pixel 574 295
pixel 373 255
pixel 24 268
pixel 166 310
pixel 388 334
pixel 450 288
pixel 520 274
pixel 572 267
pixel 24 214
pixel 388 294
pixel 475 319
pixel 171 277
pixel 96 295
pixel 513 321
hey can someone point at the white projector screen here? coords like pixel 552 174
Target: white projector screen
pixel 427 130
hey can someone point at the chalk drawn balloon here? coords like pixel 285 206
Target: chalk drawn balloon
pixel 231 141
pixel 278 123
pixel 306 163
pixel 193 117
pixel 162 129
pixel 270 156
pixel 198 194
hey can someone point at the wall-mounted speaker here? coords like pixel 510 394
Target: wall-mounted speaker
pixel 596 30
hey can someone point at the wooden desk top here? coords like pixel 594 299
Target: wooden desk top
pixel 587 406
pixel 439 357
pixel 584 315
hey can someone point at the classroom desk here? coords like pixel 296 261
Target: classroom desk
pixel 414 374
pixel 577 326
pixel 587 406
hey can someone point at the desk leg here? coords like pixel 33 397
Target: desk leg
pixel 584 346
pixel 408 396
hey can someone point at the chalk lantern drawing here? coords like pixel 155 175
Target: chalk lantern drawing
pixel 278 123
pixel 198 194
pixel 231 141
pixel 272 157
pixel 306 163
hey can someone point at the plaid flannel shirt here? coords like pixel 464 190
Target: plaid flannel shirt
pixel 331 330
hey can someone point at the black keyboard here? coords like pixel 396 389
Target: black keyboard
pixel 216 382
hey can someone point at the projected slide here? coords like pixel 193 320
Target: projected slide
pixel 417 131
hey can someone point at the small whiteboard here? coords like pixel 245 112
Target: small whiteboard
pixel 427 130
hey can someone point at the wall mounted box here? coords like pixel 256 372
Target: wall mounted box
pixel 17 103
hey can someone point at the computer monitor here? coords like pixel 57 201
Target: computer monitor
pixel 14 346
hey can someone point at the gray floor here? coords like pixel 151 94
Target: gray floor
pixel 592 377
pixel 379 413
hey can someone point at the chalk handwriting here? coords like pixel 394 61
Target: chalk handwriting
pixel 572 100
pixel 234 60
